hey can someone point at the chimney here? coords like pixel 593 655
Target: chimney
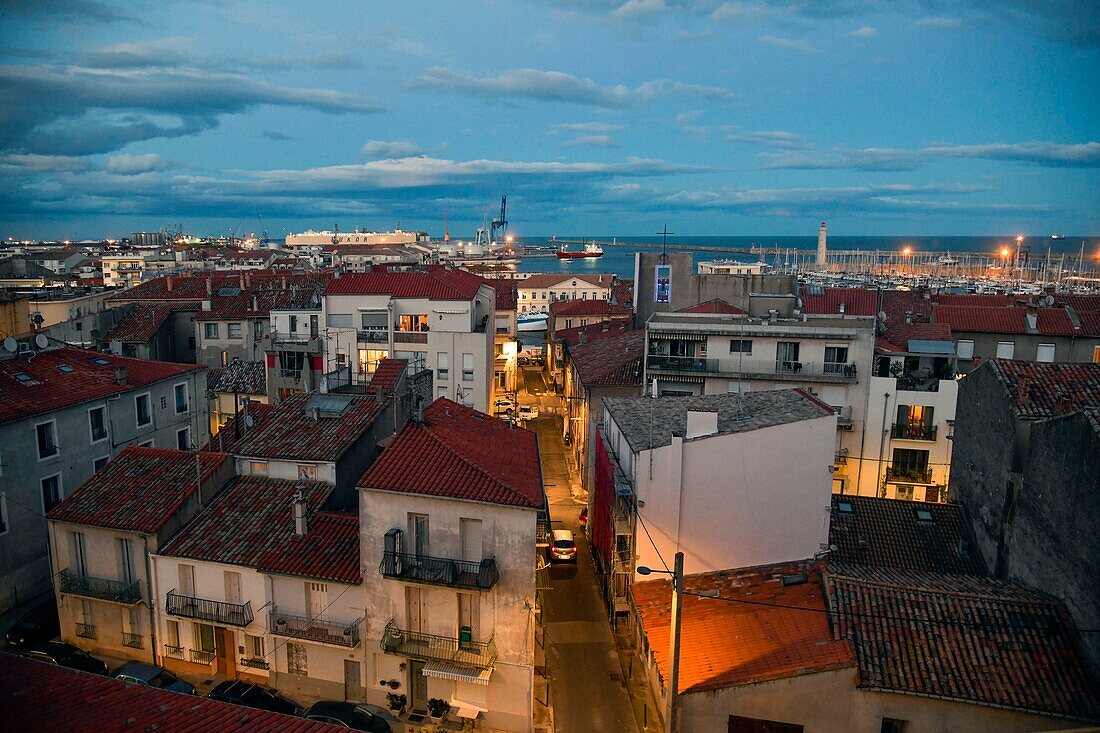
pixel 168 283
pixel 315 414
pixel 840 309
pixel 240 280
pixel 418 412
pixel 255 302
pixel 1064 405
pixel 299 503
pixel 909 317
pixel 120 375
pixel 582 336
pixel 1025 390
pixel 282 282
pixel 209 286
pixel 247 279
pixel 701 423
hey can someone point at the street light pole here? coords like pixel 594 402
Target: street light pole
pixel 674 644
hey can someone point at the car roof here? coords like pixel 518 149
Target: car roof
pixel 138 669
pixel 562 534
pixel 331 706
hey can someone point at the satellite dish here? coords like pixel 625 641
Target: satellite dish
pixel 882 316
pixel 41 341
pixel 248 421
pixel 11 345
pixel 1048 300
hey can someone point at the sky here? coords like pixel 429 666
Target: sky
pixel 594 117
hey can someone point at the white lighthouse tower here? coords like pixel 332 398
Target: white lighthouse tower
pixel 821 249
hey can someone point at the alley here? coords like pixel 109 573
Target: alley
pixel 584 669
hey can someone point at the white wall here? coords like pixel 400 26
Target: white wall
pixel 286 469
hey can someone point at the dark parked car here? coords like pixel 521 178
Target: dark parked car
pixel 147 674
pixel 254 696
pixel 38 624
pixel 356 716
pixel 64 655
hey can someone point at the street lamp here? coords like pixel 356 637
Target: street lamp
pixel 677 574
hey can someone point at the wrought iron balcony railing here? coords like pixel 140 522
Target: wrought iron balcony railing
pixel 778 368
pixel 104 589
pixel 85 631
pixel 373 336
pixel 440 571
pixel 418 645
pixel 173 652
pixel 910 431
pixel 132 640
pixel 219 612
pixel 319 630
pixel 255 664
pixel 198 656
pixel 909 475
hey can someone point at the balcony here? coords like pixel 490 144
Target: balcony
pixel 440 571
pixel 911 431
pixel 173 652
pixel 840 458
pixel 373 336
pixel 410 337
pixel 322 631
pixel 132 640
pixel 296 342
pixel 198 656
pixel 255 664
pixel 907 475
pixel 104 589
pixel 85 631
pixel 795 371
pixel 480 655
pixel 202 609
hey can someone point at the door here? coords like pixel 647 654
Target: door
pixel 414 610
pixel 418 686
pixel 317 596
pixel 225 651
pixel 187 580
pixel 313 327
pixel 353 685
pixel 786 356
pixel 470 532
pixel 418 534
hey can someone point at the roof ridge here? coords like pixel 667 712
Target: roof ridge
pixel 1043 601
pixel 466 461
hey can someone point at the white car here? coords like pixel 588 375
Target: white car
pixel 563 547
pixel 504 406
pixel 528 412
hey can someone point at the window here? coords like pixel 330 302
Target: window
pixel 204 637
pixel 174 633
pixel 146 444
pixel 296 659
pixel 1045 352
pixel 836 358
pixel 234 330
pixel 893 725
pixel 187 579
pixel 965 349
pixel 443 363
pixel 183 439
pixel 738 724
pixel 232 581
pixel 47 440
pixel 144 409
pixel 97 420
pixel 51 492
pixel 1005 349
pixel 339 320
pixel 469 617
pixel 293 324
pixel 210 330
pixel 254 645
pixel 413 323
pixel 3 513
pixel 78 557
pixel 741 346
pixel 258 467
pixel 467 367
pixel 786 356
pixel 181 398
pixel 307 472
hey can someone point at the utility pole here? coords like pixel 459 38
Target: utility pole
pixel 671 723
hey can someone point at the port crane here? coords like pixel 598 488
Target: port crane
pixel 500 222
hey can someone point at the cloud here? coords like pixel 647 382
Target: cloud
pixel 24 163
pixel 557 86
pixel 129 165
pixel 78 10
pixel 771 139
pixel 390 150
pixel 1044 154
pixel 176 52
pixel 78 111
pixel 276 135
pixel 591 127
pixel 1051 155
pixel 864 32
pixel 792 44
pixel 938 22
pixel 637 9
pixel 591 141
pixel 866 159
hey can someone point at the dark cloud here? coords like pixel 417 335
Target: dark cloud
pixel 1045 154
pixel 276 135
pixel 770 139
pixel 79 10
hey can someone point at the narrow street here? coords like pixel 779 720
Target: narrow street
pixel 585 687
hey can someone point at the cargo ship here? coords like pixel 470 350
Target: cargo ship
pixel 590 250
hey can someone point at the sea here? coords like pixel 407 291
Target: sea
pixel 620 259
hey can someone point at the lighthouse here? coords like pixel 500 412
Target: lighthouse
pixel 821 236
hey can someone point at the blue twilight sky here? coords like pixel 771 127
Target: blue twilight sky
pixel 738 117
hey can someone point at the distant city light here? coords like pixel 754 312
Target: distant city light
pixel 907 251
pixel 1019 238
pixel 1004 251
pixel 510 238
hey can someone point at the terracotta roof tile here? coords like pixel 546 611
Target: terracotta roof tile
pixel 226 438
pixel 387 374
pixel 245 377
pixel 976 301
pixel 593 331
pixel 252 524
pixel 291 433
pixel 550 280
pixel 435 282
pixel 725 644
pixel 562 308
pixel 506 293
pixel 975 645
pixel 460 453
pixel 610 362
pixel 70 376
pixel 856 301
pixel 140 324
pixel 138 491
pixel 715 305
pixel 194 287
pixel 1040 390
pixel 259 300
pixel 891 533
pixel 38 696
pixel 622 292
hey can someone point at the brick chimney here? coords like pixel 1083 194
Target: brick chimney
pixel 1025 390
pixel 298 502
pixel 168 283
pixel 209 286
pixel 120 376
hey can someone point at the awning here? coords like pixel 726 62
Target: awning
pixel 466 709
pixel 458 672
pixel 920 346
pixel 673 336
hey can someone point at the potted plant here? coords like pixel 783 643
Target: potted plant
pixel 396 701
pixel 437 708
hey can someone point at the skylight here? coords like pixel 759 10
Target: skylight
pixel 844 507
pixel 21 377
pixel 923 515
pixel 65 368
pixel 100 361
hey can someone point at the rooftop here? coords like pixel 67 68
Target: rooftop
pixel 201 287
pixel 47 380
pixel 140 324
pixel 459 453
pixel 258 302
pixel 243 377
pixel 37 696
pixel 506 293
pixel 725 644
pixel 138 491
pixel 987 319
pixel 226 438
pixel 434 282
pixel 592 331
pixel 1040 390
pixel 615 361
pixel 549 280
pixel 387 374
pixel 651 423
pixel 827 301
pixel 715 305
pixel 291 433
pixel 252 524
pixel 564 308
pixel 726 323
pixel 909 535
pixel 964 638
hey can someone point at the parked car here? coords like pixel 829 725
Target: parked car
pixel 504 406
pixel 356 716
pixel 254 696
pixel 583 518
pixel 64 655
pixel 528 412
pixel 38 624
pixel 563 546
pixel 141 673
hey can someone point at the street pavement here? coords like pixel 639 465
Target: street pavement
pixel 586 690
